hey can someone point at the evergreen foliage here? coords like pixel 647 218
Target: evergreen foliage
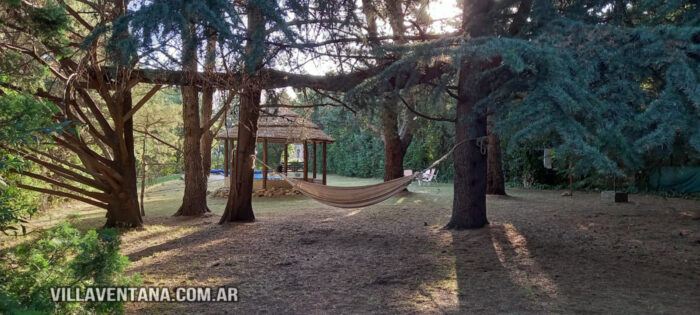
pixel 63 257
pixel 608 98
pixel 24 120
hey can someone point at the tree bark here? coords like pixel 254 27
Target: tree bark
pixel 495 183
pixel 208 105
pixel 194 201
pixel 469 204
pixel 143 170
pixel 394 144
pixel 393 148
pixel 239 205
pixel 124 210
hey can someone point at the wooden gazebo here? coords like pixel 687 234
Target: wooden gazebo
pixel 281 125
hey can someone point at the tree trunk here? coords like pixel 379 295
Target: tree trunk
pixel 124 210
pixel 194 201
pixel 393 148
pixel 208 105
pixel 143 171
pixel 469 204
pixel 239 205
pixel 394 145
pixel 495 184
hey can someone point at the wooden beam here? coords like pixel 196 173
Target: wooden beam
pixel 264 173
pixel 226 154
pixel 233 159
pixel 286 157
pixel 323 162
pixel 314 160
pixel 228 80
pixel 306 162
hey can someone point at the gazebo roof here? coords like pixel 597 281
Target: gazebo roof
pixel 284 126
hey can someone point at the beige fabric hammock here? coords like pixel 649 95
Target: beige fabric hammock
pixel 351 197
pixel 355 196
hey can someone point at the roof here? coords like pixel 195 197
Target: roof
pixel 284 126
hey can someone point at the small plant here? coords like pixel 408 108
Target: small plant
pixel 63 257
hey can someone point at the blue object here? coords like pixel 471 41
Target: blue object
pixel 269 176
pixel 257 174
pixel 217 172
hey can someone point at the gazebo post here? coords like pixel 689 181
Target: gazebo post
pixel 265 163
pixel 233 148
pixel 286 156
pixel 314 161
pixel 323 162
pixel 306 161
pixel 226 157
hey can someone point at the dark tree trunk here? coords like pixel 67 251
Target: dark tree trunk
pixel 194 201
pixel 124 210
pixel 239 205
pixel 495 184
pixel 393 148
pixel 394 144
pixel 207 106
pixel 469 205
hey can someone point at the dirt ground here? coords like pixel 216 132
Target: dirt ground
pixel 542 253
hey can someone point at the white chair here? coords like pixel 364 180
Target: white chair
pixel 427 176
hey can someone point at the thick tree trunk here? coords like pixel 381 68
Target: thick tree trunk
pixel 194 201
pixel 394 145
pixel 393 148
pixel 469 205
pixel 495 183
pixel 239 205
pixel 124 210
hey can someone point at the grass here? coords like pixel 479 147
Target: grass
pixel 165 198
pixel 159 180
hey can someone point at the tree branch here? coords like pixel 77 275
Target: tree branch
pixel 423 115
pixel 221 111
pixel 142 101
pixel 63 194
pixel 159 140
pixel 96 195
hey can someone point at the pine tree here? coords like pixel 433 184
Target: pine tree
pixel 606 88
pixel 96 127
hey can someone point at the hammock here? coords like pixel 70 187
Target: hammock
pixel 351 197
pixel 355 196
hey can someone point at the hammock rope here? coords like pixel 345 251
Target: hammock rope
pixel 356 196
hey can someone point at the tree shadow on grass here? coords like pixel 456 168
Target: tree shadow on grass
pixel 496 273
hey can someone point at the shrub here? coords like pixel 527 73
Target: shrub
pixel 63 257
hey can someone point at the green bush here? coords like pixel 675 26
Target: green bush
pixel 63 257
pixel 15 206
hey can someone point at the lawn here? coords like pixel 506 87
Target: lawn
pixel 541 253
